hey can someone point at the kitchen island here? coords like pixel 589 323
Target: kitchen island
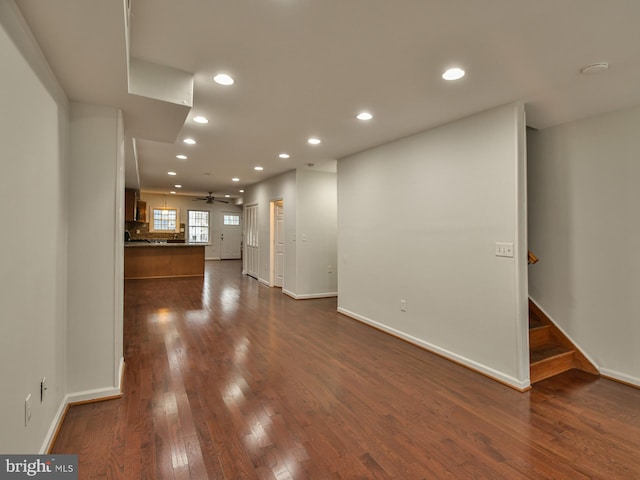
pixel 163 260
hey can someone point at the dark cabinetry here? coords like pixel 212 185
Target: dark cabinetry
pixel 141 212
pixel 134 210
pixel 129 205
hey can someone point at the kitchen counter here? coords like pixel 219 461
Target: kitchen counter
pixel 163 260
pixel 163 244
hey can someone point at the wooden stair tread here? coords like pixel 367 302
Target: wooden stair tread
pixel 550 351
pixel 535 323
pixel 540 336
pixel 539 328
pixel 550 361
pixel 546 352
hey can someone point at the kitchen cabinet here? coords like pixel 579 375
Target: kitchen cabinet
pixel 141 211
pixel 163 260
pixel 129 205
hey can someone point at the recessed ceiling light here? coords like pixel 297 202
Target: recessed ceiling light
pixel 181 157
pixel 227 196
pixel 189 141
pixel 241 191
pixel 284 155
pixel 235 179
pixel 171 173
pixel 172 192
pixel 314 141
pixel 200 119
pixel 453 74
pixel 178 186
pixel 258 168
pixel 223 79
pixel 364 116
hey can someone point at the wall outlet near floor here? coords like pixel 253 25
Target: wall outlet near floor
pixel 27 410
pixel 403 305
pixel 504 249
pixel 329 268
pixel 43 388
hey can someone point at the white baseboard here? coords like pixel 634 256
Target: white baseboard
pixel 121 373
pixel 94 395
pixel 309 295
pixel 53 428
pixel 212 258
pixel 620 377
pixel 454 357
pixel 264 282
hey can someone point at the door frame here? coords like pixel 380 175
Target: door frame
pixel 272 240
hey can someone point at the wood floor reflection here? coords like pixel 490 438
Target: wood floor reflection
pixel 229 379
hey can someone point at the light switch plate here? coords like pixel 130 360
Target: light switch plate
pixel 504 249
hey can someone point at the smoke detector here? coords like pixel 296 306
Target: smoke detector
pixel 597 67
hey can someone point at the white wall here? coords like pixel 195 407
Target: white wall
pixel 281 187
pixel 310 223
pixel 33 257
pixel 96 177
pixel 186 203
pixel 584 226
pixel 317 234
pixel 456 192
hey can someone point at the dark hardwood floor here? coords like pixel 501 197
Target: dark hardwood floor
pixel 229 379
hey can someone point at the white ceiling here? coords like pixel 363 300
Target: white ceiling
pixel 307 67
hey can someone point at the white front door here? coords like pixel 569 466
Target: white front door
pixel 279 243
pixel 230 236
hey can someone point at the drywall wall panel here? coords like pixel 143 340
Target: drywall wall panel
pixel 33 277
pixel 95 252
pixel 584 227
pixel 455 192
pixel 317 232
pixel 281 187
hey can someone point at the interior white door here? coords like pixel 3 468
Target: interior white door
pixel 279 243
pixel 230 236
pixel 252 257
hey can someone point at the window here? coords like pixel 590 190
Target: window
pixel 199 226
pixel 164 220
pixel 231 219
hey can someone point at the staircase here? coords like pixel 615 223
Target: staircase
pixel 550 351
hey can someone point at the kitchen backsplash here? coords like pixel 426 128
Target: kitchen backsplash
pixel 143 228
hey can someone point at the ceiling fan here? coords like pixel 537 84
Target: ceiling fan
pixel 210 199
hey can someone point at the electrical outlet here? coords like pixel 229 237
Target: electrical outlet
pixel 403 305
pixel 43 388
pixel 329 269
pixel 504 249
pixel 27 410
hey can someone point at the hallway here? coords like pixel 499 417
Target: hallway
pixel 229 379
